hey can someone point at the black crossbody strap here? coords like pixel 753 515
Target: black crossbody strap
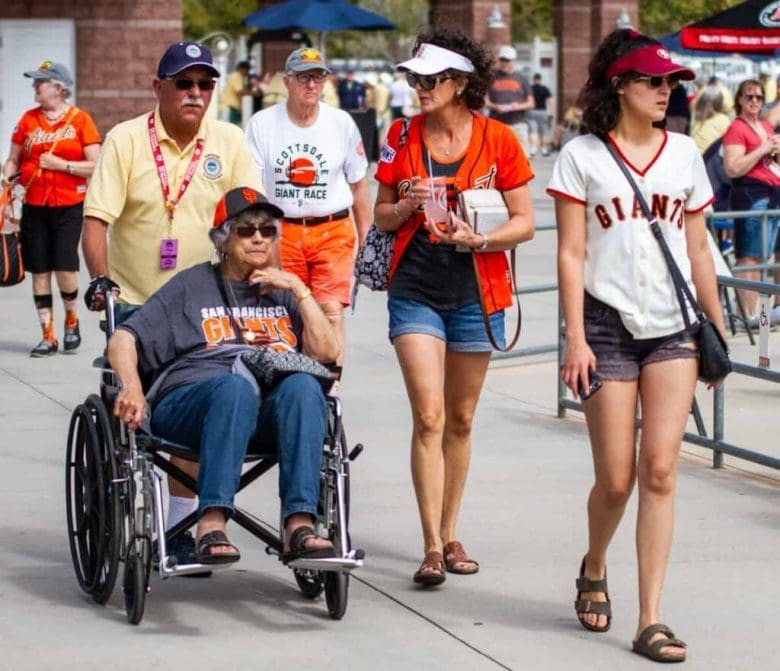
pixel 681 287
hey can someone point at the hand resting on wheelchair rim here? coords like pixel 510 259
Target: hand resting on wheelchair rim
pixel 188 338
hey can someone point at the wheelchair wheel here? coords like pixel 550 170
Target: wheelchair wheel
pixel 336 583
pixel 138 565
pixel 107 571
pixel 336 593
pixel 310 582
pixel 85 498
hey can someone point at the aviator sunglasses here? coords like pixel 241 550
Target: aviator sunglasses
pixel 426 82
pixel 753 96
pixel 655 82
pixel 248 230
pixel 184 84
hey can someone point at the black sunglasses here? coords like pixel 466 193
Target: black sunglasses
pixel 425 82
pixel 184 84
pixel 752 96
pixel 655 82
pixel 248 230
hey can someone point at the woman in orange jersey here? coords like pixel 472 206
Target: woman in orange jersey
pixel 53 151
pixel 435 293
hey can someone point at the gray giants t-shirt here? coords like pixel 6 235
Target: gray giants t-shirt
pixel 189 314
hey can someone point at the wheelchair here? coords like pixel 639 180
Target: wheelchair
pixel 115 509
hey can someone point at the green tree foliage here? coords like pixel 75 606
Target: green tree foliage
pixel 657 17
pixel 207 16
pixel 531 18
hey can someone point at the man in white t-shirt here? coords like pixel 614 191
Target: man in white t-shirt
pixel 313 165
pixel 401 95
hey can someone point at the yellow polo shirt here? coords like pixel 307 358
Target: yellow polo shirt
pixel 125 192
pixel 231 94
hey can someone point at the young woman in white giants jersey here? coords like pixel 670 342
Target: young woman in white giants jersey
pixel 622 316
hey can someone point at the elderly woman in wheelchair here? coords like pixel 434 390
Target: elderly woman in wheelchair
pixel 189 338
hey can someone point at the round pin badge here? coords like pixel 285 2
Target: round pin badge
pixel 212 166
pixel 192 50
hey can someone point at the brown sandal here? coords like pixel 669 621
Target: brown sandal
pixel 642 645
pixel 431 571
pixel 583 606
pixel 454 554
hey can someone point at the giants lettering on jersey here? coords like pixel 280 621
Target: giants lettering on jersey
pixel 662 209
pixel 301 172
pixel 270 326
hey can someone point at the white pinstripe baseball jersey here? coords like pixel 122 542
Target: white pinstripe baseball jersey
pixel 624 266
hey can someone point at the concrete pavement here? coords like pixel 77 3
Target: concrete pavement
pixel 523 519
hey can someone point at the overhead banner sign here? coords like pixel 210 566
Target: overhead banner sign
pixel 751 27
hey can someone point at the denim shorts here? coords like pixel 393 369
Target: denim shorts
pixel 747 233
pixel 619 356
pixel 463 329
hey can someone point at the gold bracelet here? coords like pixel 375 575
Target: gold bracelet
pixel 303 296
pixel 397 212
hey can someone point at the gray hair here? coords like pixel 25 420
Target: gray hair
pixel 65 92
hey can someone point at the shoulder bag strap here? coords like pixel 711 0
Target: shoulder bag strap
pixel 57 137
pixel 485 318
pixel 681 287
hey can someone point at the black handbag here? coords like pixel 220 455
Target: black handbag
pixel 714 362
pixel 270 367
pixel 372 265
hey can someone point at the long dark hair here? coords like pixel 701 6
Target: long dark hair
pixel 478 81
pixel 600 99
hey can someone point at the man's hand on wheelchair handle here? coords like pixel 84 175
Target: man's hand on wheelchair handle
pixel 95 295
pixel 130 406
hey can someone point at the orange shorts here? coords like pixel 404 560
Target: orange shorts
pixel 323 256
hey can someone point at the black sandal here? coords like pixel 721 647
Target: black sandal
pixel 642 645
pixel 583 606
pixel 215 539
pixel 298 549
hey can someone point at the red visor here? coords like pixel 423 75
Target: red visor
pixel 653 60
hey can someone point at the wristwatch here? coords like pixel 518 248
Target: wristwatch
pixel 69 168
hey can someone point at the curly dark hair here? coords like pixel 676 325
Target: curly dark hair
pixel 599 97
pixel 478 81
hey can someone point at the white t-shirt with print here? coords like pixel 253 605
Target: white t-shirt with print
pixel 307 171
pixel 624 265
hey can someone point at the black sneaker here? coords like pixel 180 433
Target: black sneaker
pixel 72 339
pixel 183 548
pixel 44 348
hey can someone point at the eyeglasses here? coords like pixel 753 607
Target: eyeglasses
pixel 248 230
pixel 752 96
pixel 425 82
pixel 184 84
pixel 306 77
pixel 655 82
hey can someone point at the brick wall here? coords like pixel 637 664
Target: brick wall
pixel 118 45
pixel 471 16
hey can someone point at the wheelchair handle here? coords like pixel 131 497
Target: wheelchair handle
pixel 110 300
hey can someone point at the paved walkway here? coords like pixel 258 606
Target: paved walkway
pixel 523 518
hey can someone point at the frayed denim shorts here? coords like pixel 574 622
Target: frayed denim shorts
pixel 463 330
pixel 620 356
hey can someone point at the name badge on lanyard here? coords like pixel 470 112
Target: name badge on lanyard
pixel 169 247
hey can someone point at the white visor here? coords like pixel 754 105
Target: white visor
pixel 430 60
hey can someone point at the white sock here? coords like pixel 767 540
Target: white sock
pixel 178 508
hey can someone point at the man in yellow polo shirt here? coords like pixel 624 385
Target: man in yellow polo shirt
pixel 235 89
pixel 155 186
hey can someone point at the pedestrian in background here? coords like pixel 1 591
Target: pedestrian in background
pixel 678 113
pixel 709 121
pixel 622 321
pixel 401 95
pixel 539 117
pixel 236 87
pixel 352 94
pixel 54 147
pixel 510 96
pixel 435 290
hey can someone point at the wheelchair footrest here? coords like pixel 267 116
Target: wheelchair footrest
pixel 188 569
pixel 352 560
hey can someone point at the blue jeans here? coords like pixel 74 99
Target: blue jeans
pixel 747 234
pixel 219 419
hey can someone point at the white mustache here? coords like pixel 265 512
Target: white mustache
pixel 197 102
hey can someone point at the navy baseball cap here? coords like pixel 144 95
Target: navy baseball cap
pixel 182 55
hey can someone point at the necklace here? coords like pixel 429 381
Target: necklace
pixel 247 335
pixel 56 117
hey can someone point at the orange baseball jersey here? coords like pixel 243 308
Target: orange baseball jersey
pixel 36 135
pixel 494 159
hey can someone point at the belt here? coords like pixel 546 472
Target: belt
pixel 312 221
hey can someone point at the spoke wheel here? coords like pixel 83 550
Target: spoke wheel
pixel 85 498
pixel 107 571
pixel 337 582
pixel 138 565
